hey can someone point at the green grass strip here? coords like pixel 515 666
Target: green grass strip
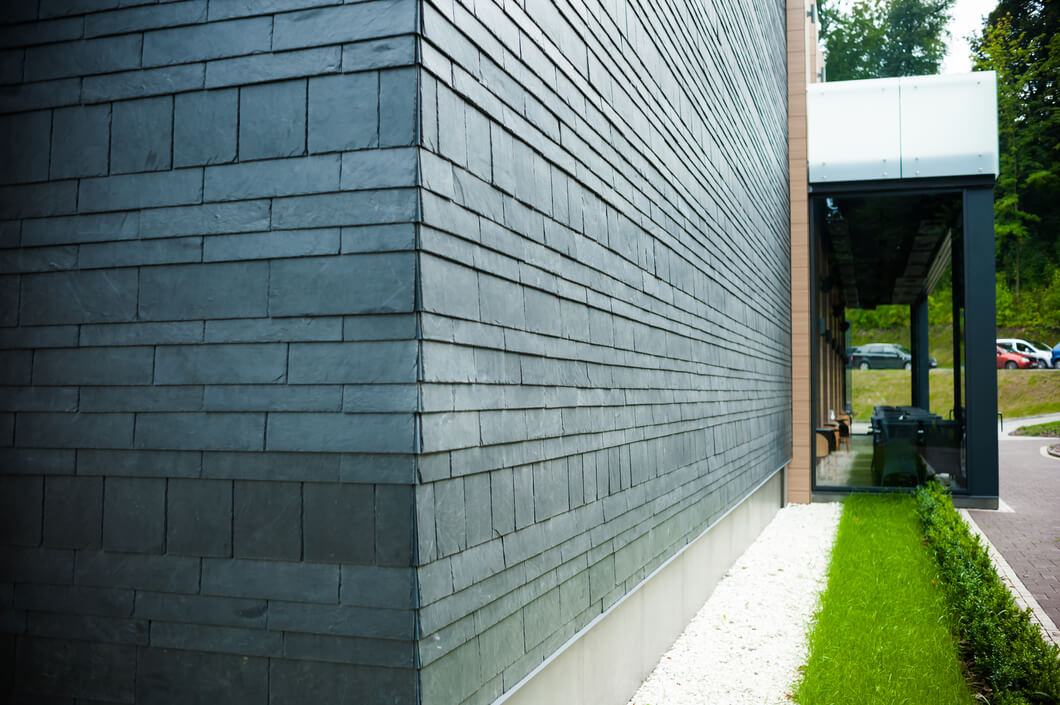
pixel 1047 430
pixel 882 635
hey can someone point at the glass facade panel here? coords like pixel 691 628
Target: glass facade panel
pixel 891 249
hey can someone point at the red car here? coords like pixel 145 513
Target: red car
pixel 1012 361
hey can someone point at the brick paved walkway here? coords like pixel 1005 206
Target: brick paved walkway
pixel 1029 536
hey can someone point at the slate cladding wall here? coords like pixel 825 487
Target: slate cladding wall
pixel 208 351
pixel 296 296
pixel 606 316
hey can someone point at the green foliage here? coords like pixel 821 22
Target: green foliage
pixel 1036 311
pixel 882 635
pixel 854 40
pixel 1021 42
pixel 916 32
pixel 940 303
pixel 1000 643
pixel 880 38
pixel 877 318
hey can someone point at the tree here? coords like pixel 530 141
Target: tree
pixel 853 40
pixel 883 38
pixel 1021 42
pixel 1009 54
pixel 916 37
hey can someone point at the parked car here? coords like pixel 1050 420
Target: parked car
pixel 883 356
pixel 1013 360
pixel 1042 354
pixel 1056 357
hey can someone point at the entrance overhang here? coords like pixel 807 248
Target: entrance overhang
pixel 901 175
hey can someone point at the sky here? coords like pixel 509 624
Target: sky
pixel 967 18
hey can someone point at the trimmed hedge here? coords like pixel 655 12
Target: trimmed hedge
pixel 1000 644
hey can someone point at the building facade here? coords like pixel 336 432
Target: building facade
pixel 383 352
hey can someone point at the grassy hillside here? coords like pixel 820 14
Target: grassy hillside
pixel 1020 392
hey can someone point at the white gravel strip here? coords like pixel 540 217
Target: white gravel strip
pixel 747 642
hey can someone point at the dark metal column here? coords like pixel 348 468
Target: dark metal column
pixel 918 337
pixel 958 335
pixel 980 329
pixel 815 221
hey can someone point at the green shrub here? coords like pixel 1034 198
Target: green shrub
pixel 999 642
pixel 1008 698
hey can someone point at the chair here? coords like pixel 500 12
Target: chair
pixel 845 422
pixel 821 445
pixel 831 437
pixel 837 428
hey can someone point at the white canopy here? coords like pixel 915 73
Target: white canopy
pixel 903 128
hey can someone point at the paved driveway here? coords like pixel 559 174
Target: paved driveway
pixel 1028 536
